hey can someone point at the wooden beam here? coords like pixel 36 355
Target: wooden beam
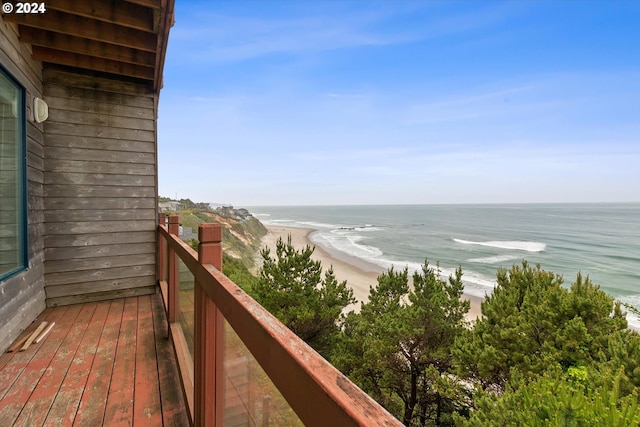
pixel 92 29
pixel 147 3
pixel 121 13
pixel 51 40
pixel 92 63
pixel 165 25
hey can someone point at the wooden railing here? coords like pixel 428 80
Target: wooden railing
pixel 315 390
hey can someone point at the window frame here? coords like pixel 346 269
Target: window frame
pixel 21 178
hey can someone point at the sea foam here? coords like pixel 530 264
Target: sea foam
pixel 346 242
pixel 494 259
pixel 512 245
pixel 632 318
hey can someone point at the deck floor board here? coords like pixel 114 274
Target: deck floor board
pixel 146 409
pixel 119 410
pixel 104 363
pixel 37 406
pixel 94 397
pixel 65 405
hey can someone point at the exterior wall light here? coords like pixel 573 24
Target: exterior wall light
pixel 40 110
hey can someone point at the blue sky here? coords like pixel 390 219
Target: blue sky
pixel 401 102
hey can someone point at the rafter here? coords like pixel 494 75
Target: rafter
pixel 124 13
pixel 92 63
pixel 126 38
pixel 87 47
pixel 74 25
pixel 155 4
pixel 163 37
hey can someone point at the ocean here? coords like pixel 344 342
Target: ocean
pixel 598 240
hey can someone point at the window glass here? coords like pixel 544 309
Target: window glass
pixel 12 177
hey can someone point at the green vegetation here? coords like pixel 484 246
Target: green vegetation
pixel 557 398
pixel 531 323
pixel 238 272
pixel 290 285
pixel 541 355
pixel 398 347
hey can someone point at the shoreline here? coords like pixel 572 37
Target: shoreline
pixel 359 274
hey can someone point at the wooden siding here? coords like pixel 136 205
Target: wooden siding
pixel 99 188
pixel 22 296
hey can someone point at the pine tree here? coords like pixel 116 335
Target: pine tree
pixel 531 322
pixel 291 286
pixel 557 399
pixel 398 347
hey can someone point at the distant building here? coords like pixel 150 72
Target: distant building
pixel 214 206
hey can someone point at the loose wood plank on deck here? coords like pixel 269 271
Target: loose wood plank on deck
pixel 33 362
pixel 6 357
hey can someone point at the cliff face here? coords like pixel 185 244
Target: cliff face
pixel 241 234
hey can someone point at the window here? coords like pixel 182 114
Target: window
pixel 13 244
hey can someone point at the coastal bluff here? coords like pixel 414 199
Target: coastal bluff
pixel 242 232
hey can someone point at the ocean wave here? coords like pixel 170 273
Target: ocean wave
pixel 298 224
pixel 366 227
pixel 317 225
pixel 347 243
pixel 512 245
pixel 474 283
pixel 494 259
pixel 358 228
pixel 281 221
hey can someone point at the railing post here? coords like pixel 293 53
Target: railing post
pixel 162 250
pixel 174 272
pixel 209 333
pixel 210 244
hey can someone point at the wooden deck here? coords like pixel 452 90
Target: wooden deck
pixel 103 363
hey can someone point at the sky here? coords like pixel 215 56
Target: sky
pixel 333 102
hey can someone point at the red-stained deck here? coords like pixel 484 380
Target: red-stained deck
pixel 104 363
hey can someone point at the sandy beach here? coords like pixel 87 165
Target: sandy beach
pixel 359 274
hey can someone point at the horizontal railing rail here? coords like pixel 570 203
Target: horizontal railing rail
pixel 318 393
